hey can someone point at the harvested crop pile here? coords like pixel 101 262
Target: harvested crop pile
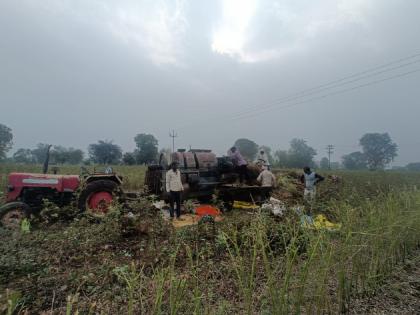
pixel 289 188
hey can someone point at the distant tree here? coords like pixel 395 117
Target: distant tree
pixel 105 152
pixel 414 167
pixel 324 164
pixel 378 149
pixel 75 156
pixel 248 148
pixel 40 152
pixel 300 154
pixel 6 140
pixel 281 158
pixel 129 158
pixel 58 155
pixel 24 156
pixel 147 148
pixel 354 161
pixel 62 155
pixel 335 165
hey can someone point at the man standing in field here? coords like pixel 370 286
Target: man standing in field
pixel 310 179
pixel 268 180
pixel 263 159
pixel 174 187
pixel 239 163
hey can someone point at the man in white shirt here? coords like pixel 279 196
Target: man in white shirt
pixel 174 187
pixel 267 179
pixel 262 159
pixel 310 179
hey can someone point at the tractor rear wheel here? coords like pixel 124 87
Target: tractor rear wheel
pixel 97 196
pixel 12 214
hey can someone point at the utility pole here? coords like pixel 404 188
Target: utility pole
pixel 330 151
pixel 173 135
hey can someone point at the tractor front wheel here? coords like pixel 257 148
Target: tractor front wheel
pixel 12 214
pixel 97 196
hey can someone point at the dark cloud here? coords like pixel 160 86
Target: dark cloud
pixel 73 73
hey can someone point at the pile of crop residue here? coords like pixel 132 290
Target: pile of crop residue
pixel 289 188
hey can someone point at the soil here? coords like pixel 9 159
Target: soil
pixel 399 295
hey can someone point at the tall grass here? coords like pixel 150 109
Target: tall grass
pixel 313 271
pixel 320 271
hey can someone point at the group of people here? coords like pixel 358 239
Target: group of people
pixel 241 165
pixel 266 179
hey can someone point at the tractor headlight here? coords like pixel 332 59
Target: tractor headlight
pixel 10 188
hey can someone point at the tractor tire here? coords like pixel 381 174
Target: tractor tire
pixel 97 195
pixel 12 214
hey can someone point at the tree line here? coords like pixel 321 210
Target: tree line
pixel 377 151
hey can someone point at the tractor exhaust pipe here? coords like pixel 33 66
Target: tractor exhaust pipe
pixel 47 160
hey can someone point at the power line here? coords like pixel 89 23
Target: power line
pixel 327 86
pixel 330 86
pixel 330 94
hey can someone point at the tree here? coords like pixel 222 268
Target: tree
pixel 281 158
pixel 378 149
pixel 300 154
pixel 105 152
pixel 354 161
pixel 58 155
pixel 75 156
pixel 6 140
pixel 324 163
pixel 414 167
pixel 129 158
pixel 24 156
pixel 335 165
pixel 62 155
pixel 248 148
pixel 147 148
pixel 40 152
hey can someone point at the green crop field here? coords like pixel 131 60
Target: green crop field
pixel 249 263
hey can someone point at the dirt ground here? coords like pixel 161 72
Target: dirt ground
pixel 399 295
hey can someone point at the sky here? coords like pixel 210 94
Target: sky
pixel 73 72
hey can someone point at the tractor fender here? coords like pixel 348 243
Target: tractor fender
pixel 112 177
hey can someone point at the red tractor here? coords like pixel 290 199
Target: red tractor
pixel 26 192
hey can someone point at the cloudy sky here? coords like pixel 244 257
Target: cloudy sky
pixel 75 71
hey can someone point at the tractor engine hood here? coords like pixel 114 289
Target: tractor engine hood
pixel 61 183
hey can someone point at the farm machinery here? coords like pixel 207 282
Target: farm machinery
pixel 203 175
pixel 27 191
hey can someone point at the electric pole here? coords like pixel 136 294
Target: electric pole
pixel 173 135
pixel 330 151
